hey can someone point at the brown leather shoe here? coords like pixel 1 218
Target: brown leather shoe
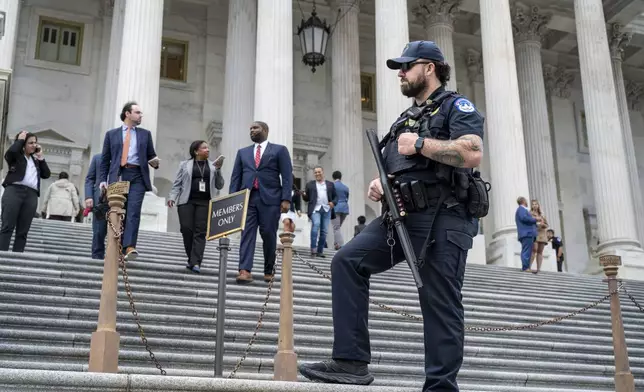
pixel 268 277
pixel 131 253
pixel 244 277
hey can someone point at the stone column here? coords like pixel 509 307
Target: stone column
pixel 11 9
pixel 529 24
pixel 558 81
pixel 111 108
pixel 438 19
pixel 239 87
pixel 618 41
pixel 140 61
pixel 138 80
pixel 506 146
pixel 392 34
pixel 474 63
pixel 348 135
pixel 615 221
pixel 274 71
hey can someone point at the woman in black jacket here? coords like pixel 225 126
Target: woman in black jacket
pixel 22 189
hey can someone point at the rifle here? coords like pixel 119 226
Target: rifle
pixel 396 210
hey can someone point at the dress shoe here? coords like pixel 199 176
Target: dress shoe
pixel 268 277
pixel 244 277
pixel 131 253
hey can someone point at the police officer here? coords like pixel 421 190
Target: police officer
pixel 441 132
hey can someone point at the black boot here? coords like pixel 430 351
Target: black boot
pixel 337 372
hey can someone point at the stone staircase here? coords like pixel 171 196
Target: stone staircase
pixel 49 301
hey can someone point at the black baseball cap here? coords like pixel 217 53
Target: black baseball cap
pixel 417 50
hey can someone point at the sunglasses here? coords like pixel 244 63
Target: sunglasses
pixel 405 67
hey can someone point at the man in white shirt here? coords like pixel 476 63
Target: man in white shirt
pixel 322 199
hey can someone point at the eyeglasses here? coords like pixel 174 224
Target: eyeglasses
pixel 405 67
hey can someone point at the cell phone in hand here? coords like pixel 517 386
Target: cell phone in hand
pixel 220 160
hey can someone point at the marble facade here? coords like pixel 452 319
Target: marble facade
pixel 526 65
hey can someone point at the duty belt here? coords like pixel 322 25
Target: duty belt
pixel 419 196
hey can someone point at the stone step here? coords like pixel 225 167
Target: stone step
pixel 177 273
pixel 475 348
pixel 77 380
pixel 49 308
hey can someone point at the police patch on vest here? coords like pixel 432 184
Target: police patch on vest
pixel 464 105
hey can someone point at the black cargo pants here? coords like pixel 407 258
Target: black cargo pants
pixel 440 297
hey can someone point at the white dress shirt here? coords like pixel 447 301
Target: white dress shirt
pixel 323 198
pixel 31 175
pixel 261 152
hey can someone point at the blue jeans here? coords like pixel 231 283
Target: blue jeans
pixel 320 220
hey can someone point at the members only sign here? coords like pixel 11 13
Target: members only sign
pixel 227 214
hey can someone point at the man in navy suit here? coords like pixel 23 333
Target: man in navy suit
pixel 127 152
pixel 93 195
pixel 527 231
pixel 259 167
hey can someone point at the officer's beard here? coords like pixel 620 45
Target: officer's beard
pixel 413 89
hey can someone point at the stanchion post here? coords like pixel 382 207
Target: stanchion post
pixel 285 364
pixel 104 345
pixel 224 247
pixel 624 381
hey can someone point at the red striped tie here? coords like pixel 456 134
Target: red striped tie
pixel 257 156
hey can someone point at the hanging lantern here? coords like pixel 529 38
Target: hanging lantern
pixel 314 36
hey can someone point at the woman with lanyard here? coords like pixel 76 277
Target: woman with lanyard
pixel 198 181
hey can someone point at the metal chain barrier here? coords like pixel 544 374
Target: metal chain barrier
pixel 481 329
pixel 118 233
pixel 260 320
pixel 633 300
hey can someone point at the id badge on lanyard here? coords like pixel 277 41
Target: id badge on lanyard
pixel 202 185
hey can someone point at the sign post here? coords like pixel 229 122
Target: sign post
pixel 624 381
pixel 226 215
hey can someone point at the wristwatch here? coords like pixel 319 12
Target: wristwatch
pixel 419 144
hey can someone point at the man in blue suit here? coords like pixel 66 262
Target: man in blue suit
pixel 127 152
pixel 93 195
pixel 527 231
pixel 259 167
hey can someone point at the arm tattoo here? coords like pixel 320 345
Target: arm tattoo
pixel 465 151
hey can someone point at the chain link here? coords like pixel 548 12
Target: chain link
pixel 479 329
pixel 633 300
pixel 260 320
pixel 118 233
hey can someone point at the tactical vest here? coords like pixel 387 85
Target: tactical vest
pixel 416 119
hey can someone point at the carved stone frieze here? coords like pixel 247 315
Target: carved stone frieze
pixel 474 62
pixel 529 23
pixel 213 133
pixel 558 80
pixel 432 12
pixel 634 94
pixel 618 40
pixel 346 5
pixel 107 8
